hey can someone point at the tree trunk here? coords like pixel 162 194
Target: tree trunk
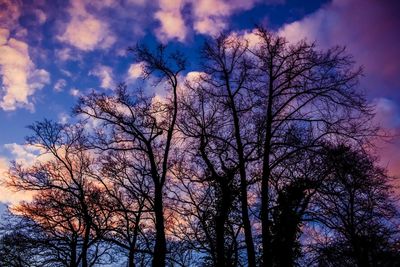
pixel 131 259
pixel 266 173
pixel 160 248
pixel 220 220
pixel 251 257
pixel 85 245
pixel 220 239
pixel 73 254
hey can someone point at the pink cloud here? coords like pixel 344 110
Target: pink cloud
pixel 105 75
pixel 368 28
pixel 85 31
pixel 172 25
pixel 6 194
pixel 208 17
pixel 388 117
pixel 135 71
pixel 26 155
pixel 9 13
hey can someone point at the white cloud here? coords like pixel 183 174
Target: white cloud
pixel 104 73
pixel 135 71
pixel 66 72
pixel 66 54
pixel 210 26
pixel 74 92
pixel 194 76
pixel 85 31
pixel 25 155
pixel 208 17
pixel 38 78
pixel 20 78
pixel 63 118
pixel 60 84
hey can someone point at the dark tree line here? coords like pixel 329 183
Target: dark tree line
pixel 261 158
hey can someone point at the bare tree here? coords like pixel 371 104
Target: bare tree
pixel 142 124
pixel 295 183
pixel 208 142
pixel 66 206
pixel 299 85
pixel 227 170
pixel 128 191
pixel 228 77
pixel 355 205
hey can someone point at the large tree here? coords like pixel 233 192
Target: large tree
pixel 136 121
pixel 301 87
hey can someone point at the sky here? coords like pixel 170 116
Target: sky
pixel 53 51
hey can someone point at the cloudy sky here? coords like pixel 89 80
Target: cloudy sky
pixel 52 51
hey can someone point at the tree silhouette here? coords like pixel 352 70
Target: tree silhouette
pixel 354 204
pixel 66 207
pixel 142 124
pixel 260 157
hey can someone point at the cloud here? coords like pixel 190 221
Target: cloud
pixel 209 17
pixel 387 113
pixel 6 194
pixel 38 78
pixel 63 118
pixel 9 13
pixel 26 155
pixel 40 15
pixel 172 25
pixel 74 92
pixel 369 30
pixel 20 78
pixel 387 116
pixel 60 84
pixel 369 33
pixel 135 71
pixel 66 53
pixel 85 31
pixel 66 72
pixel 4 35
pixel 104 73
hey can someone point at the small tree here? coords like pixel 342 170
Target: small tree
pixel 66 206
